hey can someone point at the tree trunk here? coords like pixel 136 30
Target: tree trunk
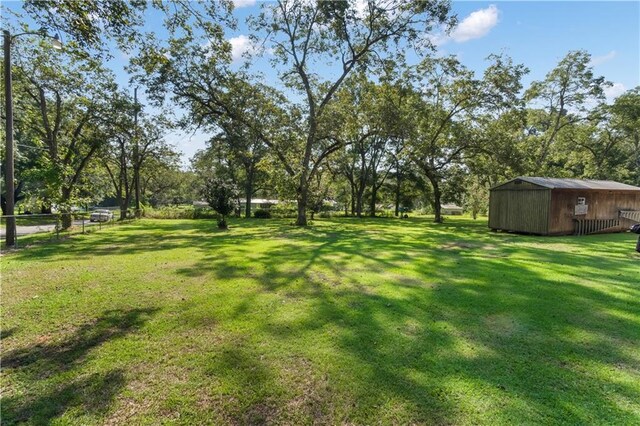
pixel 397 212
pixel 66 218
pixel 248 191
pixel 353 201
pixel 437 196
pixel 136 177
pixel 302 197
pixel 123 208
pixel 374 198
pixel 359 196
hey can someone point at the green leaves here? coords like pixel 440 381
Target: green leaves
pixel 220 194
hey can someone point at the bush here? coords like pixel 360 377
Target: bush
pixel 285 209
pixel 170 212
pixel 262 214
pixel 180 212
pixel 204 213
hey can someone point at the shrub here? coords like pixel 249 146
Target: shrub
pixel 170 212
pixel 204 213
pixel 220 195
pixel 262 214
pixel 285 209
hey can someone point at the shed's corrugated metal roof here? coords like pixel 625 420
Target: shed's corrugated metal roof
pixel 556 183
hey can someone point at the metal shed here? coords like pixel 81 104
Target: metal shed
pixel 551 206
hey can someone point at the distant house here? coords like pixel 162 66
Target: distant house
pixel 451 210
pixel 548 206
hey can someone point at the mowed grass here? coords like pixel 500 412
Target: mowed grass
pixel 348 321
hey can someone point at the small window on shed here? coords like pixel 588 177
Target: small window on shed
pixel 582 201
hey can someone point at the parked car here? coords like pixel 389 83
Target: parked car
pixel 101 216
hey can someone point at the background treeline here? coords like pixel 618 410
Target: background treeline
pixel 351 124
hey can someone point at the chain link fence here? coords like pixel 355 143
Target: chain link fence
pixel 38 228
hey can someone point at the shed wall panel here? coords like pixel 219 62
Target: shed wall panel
pixel 602 205
pixel 520 210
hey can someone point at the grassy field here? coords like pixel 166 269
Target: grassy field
pixel 348 321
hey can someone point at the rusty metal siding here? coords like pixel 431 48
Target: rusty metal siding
pixel 525 209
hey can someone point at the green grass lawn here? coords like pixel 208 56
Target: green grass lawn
pixel 348 321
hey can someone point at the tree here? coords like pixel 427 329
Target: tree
pixel 220 195
pixel 566 96
pixel 353 113
pixel 242 151
pixel 130 147
pixel 304 34
pixel 88 24
pixel 164 183
pixel 476 199
pixel 449 92
pixel 62 101
pixel 448 102
pixel 625 121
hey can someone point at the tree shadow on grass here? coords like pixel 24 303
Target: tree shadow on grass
pixel 91 394
pixel 7 332
pixel 514 334
pixel 45 369
pixel 110 325
pixel 442 326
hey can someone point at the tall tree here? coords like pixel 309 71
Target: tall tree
pixel 88 24
pixel 63 100
pixel 449 100
pixel 130 147
pixel 566 96
pixel 306 34
pixel 625 121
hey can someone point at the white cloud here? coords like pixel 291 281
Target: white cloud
pixel 240 45
pixel 599 60
pixel 614 91
pixel 476 25
pixel 361 8
pixel 243 3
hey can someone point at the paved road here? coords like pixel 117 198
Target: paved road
pixel 34 229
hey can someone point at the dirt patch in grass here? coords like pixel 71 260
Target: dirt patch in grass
pixel 312 400
pixel 503 325
pixel 465 245
pixel 404 280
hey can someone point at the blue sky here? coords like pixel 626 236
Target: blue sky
pixel 537 34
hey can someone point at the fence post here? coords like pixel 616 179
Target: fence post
pixel 57 227
pixel 83 224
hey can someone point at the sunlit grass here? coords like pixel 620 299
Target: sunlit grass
pixel 347 321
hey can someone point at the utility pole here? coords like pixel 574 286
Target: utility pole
pixel 10 235
pixel 136 154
